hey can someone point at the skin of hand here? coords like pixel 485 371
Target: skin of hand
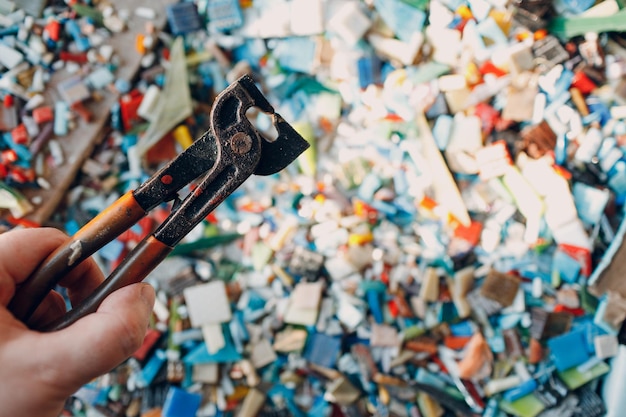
pixel 40 370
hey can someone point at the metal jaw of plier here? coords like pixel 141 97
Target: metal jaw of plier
pixel 228 153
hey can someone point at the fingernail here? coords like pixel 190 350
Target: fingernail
pixel 147 294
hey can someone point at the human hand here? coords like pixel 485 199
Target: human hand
pixel 40 370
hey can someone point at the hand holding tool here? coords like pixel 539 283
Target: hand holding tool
pixel 228 153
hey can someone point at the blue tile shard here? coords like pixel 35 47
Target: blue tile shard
pixel 183 18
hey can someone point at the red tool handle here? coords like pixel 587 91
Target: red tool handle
pixel 135 267
pixel 103 228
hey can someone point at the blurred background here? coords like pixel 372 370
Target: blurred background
pixel 450 243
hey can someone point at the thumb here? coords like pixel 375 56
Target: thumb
pixel 100 341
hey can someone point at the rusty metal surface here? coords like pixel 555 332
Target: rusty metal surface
pixel 229 153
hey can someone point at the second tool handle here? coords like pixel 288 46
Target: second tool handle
pixel 113 221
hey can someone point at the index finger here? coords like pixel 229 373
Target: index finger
pixel 23 250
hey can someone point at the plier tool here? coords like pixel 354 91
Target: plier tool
pixel 228 153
